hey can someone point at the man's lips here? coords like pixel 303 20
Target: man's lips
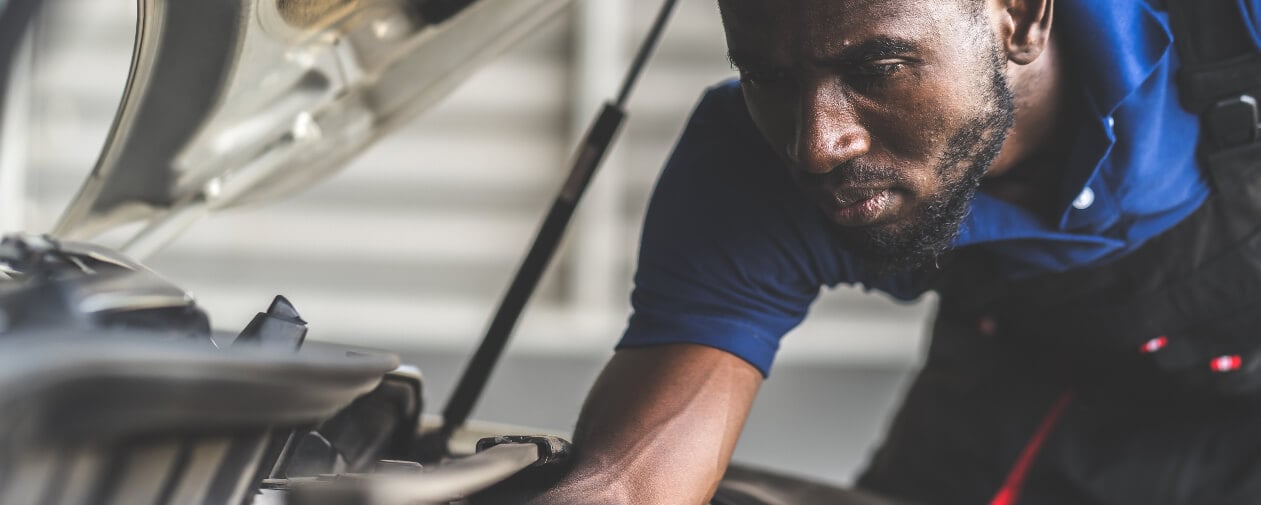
pixel 849 197
pixel 857 206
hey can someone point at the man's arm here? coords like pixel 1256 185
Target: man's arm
pixel 659 427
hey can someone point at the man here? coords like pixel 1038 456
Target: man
pixel 1028 159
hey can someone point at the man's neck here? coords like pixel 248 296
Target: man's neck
pixel 1043 123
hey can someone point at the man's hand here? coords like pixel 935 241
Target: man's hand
pixel 658 427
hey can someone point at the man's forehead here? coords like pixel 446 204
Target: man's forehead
pixel 764 9
pixel 829 25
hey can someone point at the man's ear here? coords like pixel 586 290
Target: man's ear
pixel 1024 28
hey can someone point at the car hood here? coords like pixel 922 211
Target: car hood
pixel 240 101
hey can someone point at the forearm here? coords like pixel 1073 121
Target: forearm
pixel 658 427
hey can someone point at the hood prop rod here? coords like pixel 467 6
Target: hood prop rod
pixel 590 154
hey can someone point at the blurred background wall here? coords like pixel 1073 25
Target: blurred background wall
pixel 410 247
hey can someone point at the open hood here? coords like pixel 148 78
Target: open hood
pixel 237 101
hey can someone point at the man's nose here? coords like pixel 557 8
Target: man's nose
pixel 829 132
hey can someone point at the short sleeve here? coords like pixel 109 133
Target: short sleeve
pixel 730 256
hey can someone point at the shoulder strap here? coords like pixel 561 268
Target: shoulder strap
pixel 1221 69
pixel 1208 31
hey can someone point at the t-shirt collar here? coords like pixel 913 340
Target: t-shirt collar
pixel 1114 46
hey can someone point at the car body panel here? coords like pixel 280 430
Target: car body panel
pixel 244 101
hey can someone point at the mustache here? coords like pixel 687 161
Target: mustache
pixel 852 173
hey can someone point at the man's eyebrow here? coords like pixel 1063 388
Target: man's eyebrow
pixel 876 48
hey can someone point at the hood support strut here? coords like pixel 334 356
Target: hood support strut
pixel 590 154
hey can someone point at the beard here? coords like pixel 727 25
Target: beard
pixel 934 223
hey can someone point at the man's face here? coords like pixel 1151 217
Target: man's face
pixel 887 112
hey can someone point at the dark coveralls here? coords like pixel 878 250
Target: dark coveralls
pixel 1137 381
pixel 1133 382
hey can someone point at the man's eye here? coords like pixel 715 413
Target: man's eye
pixel 881 68
pixel 762 77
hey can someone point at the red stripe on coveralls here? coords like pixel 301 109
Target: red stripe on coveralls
pixel 1010 492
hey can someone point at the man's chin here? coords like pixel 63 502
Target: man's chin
pixel 882 254
pixel 902 245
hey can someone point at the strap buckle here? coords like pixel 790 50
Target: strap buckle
pixel 1235 122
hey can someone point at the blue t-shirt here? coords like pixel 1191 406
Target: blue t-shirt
pixel 732 256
